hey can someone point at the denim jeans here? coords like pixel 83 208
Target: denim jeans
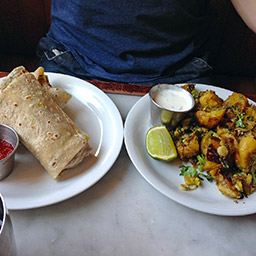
pixel 55 58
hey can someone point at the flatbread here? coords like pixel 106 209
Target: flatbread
pixel 12 76
pixel 59 95
pixel 43 127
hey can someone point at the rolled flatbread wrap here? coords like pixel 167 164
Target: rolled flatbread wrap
pixel 12 76
pixel 43 127
pixel 59 95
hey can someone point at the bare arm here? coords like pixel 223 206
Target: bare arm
pixel 247 10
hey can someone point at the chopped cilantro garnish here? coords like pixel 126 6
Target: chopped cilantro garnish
pixel 253 172
pixel 241 118
pixel 253 175
pixel 188 171
pixel 200 160
pixel 208 177
pixel 214 134
pixel 240 121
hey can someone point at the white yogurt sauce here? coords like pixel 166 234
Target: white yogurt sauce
pixel 173 100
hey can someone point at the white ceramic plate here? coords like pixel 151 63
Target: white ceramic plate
pixel 30 186
pixel 165 176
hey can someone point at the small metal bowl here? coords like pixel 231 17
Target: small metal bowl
pixel 169 116
pixel 6 164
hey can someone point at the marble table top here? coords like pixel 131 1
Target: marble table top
pixel 123 214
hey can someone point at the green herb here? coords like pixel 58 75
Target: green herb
pixel 253 171
pixel 181 131
pixel 194 93
pixel 240 121
pixel 253 175
pixel 200 161
pixel 226 166
pixel 214 134
pixel 188 171
pixel 200 133
pixel 241 118
pixel 207 176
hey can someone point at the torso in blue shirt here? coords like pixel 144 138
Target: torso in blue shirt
pixel 130 40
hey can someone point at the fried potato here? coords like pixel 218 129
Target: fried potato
pixel 210 119
pixel 251 111
pixel 246 153
pixel 237 100
pixel 226 134
pixel 188 146
pixel 210 99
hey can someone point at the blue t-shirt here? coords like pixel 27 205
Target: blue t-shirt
pixel 130 40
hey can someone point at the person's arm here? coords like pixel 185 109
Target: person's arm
pixel 247 10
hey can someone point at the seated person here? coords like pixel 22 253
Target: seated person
pixel 141 42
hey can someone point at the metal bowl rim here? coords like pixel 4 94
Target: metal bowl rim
pixel 158 87
pixel 14 146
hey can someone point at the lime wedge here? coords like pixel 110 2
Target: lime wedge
pixel 159 144
pixel 166 116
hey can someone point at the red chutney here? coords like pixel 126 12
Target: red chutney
pixel 6 149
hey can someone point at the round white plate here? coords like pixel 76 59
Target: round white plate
pixel 165 176
pixel 30 186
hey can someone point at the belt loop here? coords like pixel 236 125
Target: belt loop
pixel 50 55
